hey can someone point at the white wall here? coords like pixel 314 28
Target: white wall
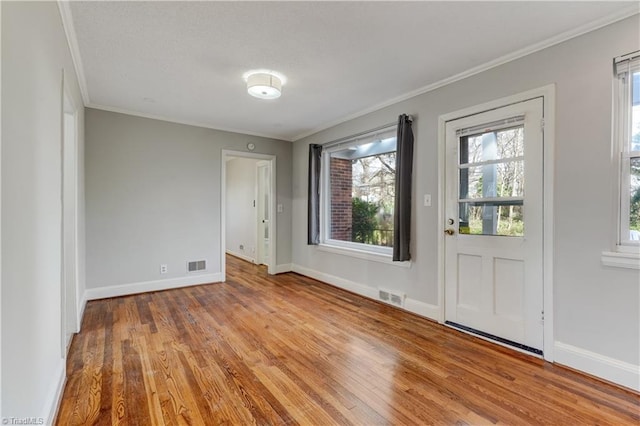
pixel 34 55
pixel 153 197
pixel 241 212
pixel 597 308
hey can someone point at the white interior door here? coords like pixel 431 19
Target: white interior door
pixel 494 214
pixel 264 206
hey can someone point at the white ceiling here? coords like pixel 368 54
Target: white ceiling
pixel 183 61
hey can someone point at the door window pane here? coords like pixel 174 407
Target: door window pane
pixel 492 167
pixel 491 219
pixel 509 143
pixel 492 180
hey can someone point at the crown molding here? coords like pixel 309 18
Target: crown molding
pixel 185 122
pixel 560 38
pixel 72 41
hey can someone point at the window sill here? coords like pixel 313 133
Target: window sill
pixel 361 254
pixel 619 259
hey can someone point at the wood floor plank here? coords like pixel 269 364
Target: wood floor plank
pixel 288 350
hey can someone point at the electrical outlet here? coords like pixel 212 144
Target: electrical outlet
pixel 241 246
pixel 163 269
pixel 280 208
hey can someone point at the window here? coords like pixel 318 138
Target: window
pixel 491 170
pixel 359 192
pixel 627 138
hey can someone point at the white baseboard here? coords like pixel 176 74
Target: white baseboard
pixel 354 287
pixel 285 267
pixel 81 308
pixel 241 256
pixel 423 309
pixel 54 397
pixel 147 286
pixel 613 370
pixel 415 306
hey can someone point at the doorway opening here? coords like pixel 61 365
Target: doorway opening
pixel 248 208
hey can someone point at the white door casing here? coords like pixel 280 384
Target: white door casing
pixel 494 284
pixel 271 160
pixel 263 204
pixel 69 192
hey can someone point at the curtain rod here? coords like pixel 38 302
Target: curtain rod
pixel 358 135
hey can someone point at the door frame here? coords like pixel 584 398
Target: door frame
pixel 70 318
pixel 547 93
pixel 271 160
pixel 259 255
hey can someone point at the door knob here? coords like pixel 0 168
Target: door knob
pixel 449 231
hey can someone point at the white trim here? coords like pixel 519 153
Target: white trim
pixel 422 309
pixel 1 213
pixel 69 259
pixel 548 95
pixel 284 268
pixel 611 369
pixel 362 254
pixel 361 289
pixel 54 396
pixel 271 266
pixel 621 260
pixel 549 141
pixel 411 305
pixel 241 256
pixel 82 305
pixel 74 49
pixel 179 121
pixel 148 286
pixel 560 38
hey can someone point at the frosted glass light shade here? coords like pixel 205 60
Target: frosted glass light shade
pixel 264 85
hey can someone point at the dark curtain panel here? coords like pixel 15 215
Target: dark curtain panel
pixel 313 224
pixel 402 208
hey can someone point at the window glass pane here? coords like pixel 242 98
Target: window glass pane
pixel 491 219
pixel 634 204
pixel 362 181
pixel 500 145
pixel 492 180
pixel 635 112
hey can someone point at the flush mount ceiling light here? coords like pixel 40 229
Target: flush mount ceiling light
pixel 264 84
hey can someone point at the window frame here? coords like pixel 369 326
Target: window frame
pixel 625 253
pixel 622 117
pixel 361 250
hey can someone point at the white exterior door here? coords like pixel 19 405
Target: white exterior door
pixel 494 214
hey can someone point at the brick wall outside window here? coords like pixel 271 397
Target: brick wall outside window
pixel 341 194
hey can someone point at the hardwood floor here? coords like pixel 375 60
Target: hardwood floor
pixel 291 350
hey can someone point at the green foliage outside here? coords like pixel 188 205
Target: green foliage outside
pixel 368 225
pixel 634 213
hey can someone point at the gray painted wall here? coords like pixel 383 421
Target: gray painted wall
pixel 34 56
pixel 596 307
pixel 153 196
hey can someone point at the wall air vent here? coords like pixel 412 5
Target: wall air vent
pixel 196 265
pixel 392 298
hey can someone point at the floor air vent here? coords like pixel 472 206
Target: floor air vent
pixel 196 265
pixel 391 298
